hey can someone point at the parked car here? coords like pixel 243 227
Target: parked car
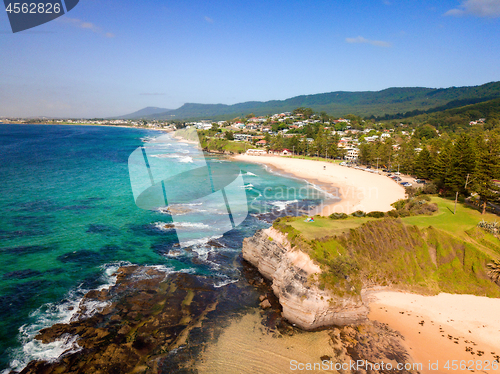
pixel 406 184
pixel 420 181
pixel 397 173
pixel 396 178
pixel 389 174
pixel 385 170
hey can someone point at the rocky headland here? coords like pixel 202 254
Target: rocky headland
pixel 292 274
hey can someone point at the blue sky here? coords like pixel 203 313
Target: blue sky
pixel 112 57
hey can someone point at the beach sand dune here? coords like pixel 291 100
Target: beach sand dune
pixel 358 189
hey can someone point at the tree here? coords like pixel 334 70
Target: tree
pixel 423 164
pixel 307 112
pixel 366 153
pixel 440 169
pixel 277 143
pixel 487 168
pixel 229 135
pixel 463 162
pixel 425 132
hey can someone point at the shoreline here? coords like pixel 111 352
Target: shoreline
pixel 356 189
pixel 85 124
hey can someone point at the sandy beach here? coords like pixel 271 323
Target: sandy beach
pixel 437 329
pixel 358 189
pixel 443 328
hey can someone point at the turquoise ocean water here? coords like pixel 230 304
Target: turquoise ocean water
pixel 68 220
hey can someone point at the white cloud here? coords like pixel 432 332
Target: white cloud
pixel 86 25
pixel 209 20
pixel 478 8
pixel 377 43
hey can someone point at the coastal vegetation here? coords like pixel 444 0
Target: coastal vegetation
pixel 425 253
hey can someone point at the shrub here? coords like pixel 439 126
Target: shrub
pixel 494 271
pixel 425 197
pixel 404 213
pixel 491 227
pixel 338 216
pixel 376 214
pixel 430 189
pixel 400 204
pixel 358 213
pixel 393 213
pixel 410 191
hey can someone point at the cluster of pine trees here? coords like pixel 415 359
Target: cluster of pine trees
pixel 467 164
pixel 320 143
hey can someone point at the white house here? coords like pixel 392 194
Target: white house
pixel 352 154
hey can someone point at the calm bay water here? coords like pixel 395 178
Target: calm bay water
pixel 68 220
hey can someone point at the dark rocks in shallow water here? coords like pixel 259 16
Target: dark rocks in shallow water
pixel 19 294
pixel 299 208
pixel 157 324
pixel 103 230
pixel 109 251
pixel 28 249
pixel 83 256
pixel 21 274
pixel 6 235
pixel 90 200
pixel 106 253
pixel 147 322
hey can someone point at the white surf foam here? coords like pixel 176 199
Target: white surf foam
pixel 201 241
pixel 52 313
pixel 162 226
pixel 281 205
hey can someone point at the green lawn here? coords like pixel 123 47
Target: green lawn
pixel 237 147
pixel 464 219
pixel 427 254
pixel 324 226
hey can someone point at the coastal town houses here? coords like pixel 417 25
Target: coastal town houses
pixel 352 154
pixel 243 137
pixel 256 152
pixel 284 152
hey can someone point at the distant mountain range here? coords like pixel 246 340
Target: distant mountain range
pixel 143 113
pixel 391 102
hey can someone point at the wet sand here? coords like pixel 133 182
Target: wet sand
pixel 246 347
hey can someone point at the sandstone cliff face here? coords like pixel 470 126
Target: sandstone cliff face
pixel 290 271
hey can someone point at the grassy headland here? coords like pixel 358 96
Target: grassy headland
pixel 432 253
